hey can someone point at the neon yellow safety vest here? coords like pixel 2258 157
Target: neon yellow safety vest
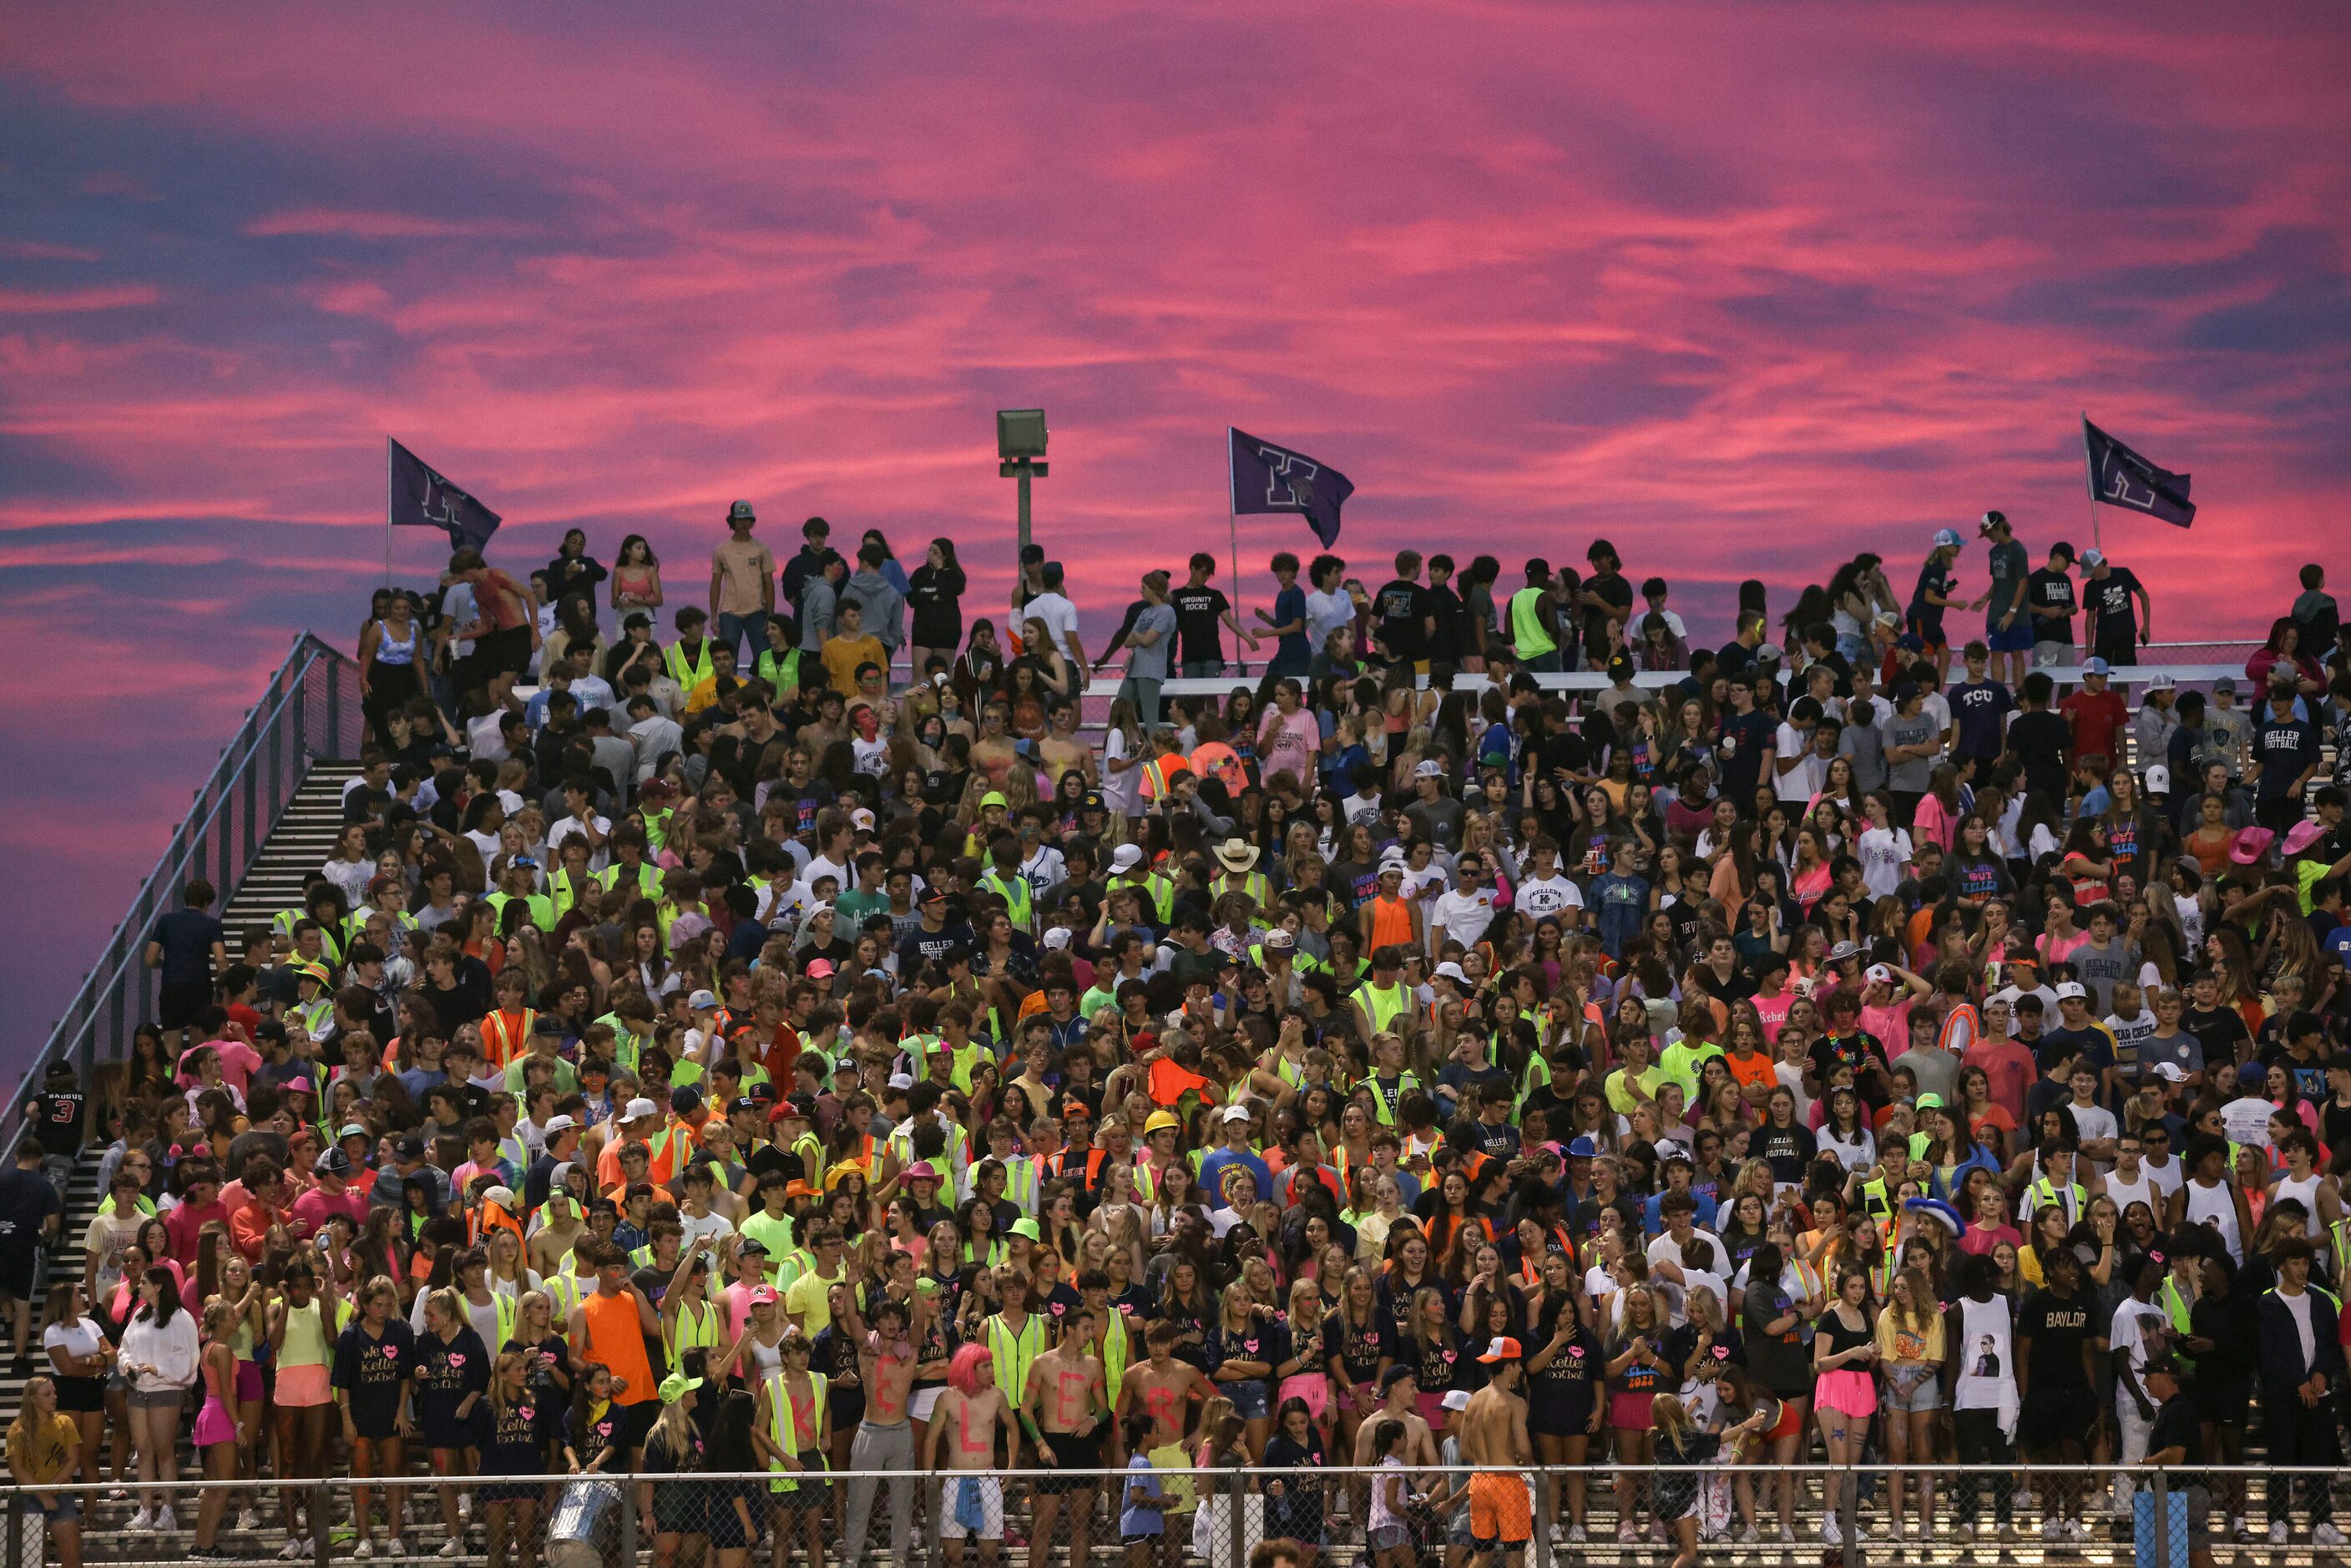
pixel 1161 890
pixel 782 675
pixel 508 1308
pixel 315 1017
pixel 566 1289
pixel 692 1331
pixel 1014 1354
pixel 1527 633
pixel 1020 1183
pixel 1381 1004
pixel 784 1426
pixel 648 879
pixel 689 675
pixel 1384 1100
pixel 563 891
pixel 2043 1192
pixel 1113 1352
pixel 1252 883
pixel 1019 898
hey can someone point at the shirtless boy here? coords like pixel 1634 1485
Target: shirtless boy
pixel 1493 1436
pixel 886 1439
pixel 1164 1388
pixel 966 1420
pixel 1063 1410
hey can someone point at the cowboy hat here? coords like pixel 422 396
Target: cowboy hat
pixel 1236 855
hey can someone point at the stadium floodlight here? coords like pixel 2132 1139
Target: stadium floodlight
pixel 1020 448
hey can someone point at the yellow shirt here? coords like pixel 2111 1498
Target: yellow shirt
pixel 807 1303
pixel 45 1447
pixel 842 656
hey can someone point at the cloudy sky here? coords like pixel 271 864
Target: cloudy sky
pixel 1746 288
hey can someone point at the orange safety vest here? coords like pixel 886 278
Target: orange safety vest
pixel 616 1338
pixel 504 1038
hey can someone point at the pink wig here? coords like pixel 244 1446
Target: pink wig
pixel 963 1369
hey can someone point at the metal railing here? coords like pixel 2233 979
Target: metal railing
pixel 309 710
pixel 2138 1514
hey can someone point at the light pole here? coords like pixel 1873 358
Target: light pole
pixel 1021 445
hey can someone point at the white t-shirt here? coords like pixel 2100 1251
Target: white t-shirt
pixel 1802 782
pixel 1884 856
pixel 2297 1306
pixel 1060 619
pixel 1325 614
pixel 2138 1328
pixel 1122 790
pixel 1541 898
pixel 1464 917
pixel 79 1338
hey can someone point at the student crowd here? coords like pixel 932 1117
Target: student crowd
pixel 742 1047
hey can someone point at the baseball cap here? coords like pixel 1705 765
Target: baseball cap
pixel 1235 1114
pixel 902 1080
pixel 1429 769
pixel 1945 537
pixel 676 1386
pixel 353 1130
pixel 742 1102
pixel 2227 683
pixel 1878 975
pixel 638 1110
pixel 1457 1398
pixel 2072 991
pixel 557 1124
pixel 2094 556
pixel 751 1244
pixel 1125 858
pixel 740 512
pixel 2157 780
pixel 1451 971
pixel 763 1295
pixel 819 968
pixel 2093 665
pixel 410 1147
pixel 686 1099
pixel 546 1025
pixel 1503 1349
pixel 1278 940
pixel 2171 1072
pixel 1989 521
pixel 1393 1375
pixel 1091 800
pixel 702 1001
pixel 332 1161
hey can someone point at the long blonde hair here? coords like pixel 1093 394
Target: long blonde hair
pixel 1671 1419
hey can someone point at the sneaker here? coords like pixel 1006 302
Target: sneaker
pixel 143 1520
pixel 1625 1534
pixel 2327 1534
pixel 2240 1529
pixel 1830 1531
pixel 465 1505
pixel 364 1551
pixel 452 1549
pixel 1575 1534
pixel 165 1521
pixel 2053 1528
pixel 295 1550
pixel 1900 1531
pixel 1787 1536
pixel 2008 1529
pixel 1750 1536
pixel 395 1547
pixel 2278 1533
pixel 1966 1529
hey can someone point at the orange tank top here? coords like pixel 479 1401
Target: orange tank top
pixel 617 1339
pixel 1390 922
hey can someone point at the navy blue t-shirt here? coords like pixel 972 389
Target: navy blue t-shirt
pixel 2283 747
pixel 1289 605
pixel 1977 708
pixel 1925 616
pixel 187 937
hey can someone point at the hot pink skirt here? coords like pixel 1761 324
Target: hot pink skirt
pixel 1846 1391
pixel 1314 1387
pixel 214 1424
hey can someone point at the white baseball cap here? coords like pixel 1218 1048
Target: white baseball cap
pixel 557 1124
pixel 702 1001
pixel 1451 971
pixel 1125 858
pixel 1235 1114
pixel 2072 990
pixel 2158 779
pixel 1878 975
pixel 638 1110
pixel 1456 1399
pixel 1429 769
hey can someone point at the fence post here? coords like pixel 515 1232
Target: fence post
pixel 1543 1482
pixel 1236 1527
pixel 626 1552
pixel 2162 1530
pixel 322 1522
pixel 1848 1507
pixel 17 1530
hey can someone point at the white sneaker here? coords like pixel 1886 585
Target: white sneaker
pixel 1575 1535
pixel 2327 1534
pixel 143 1520
pixel 1900 1531
pixel 165 1522
pixel 395 1547
pixel 1750 1536
pixel 2240 1529
pixel 248 1523
pixel 2278 1533
pixel 364 1551
pixel 2053 1528
pixel 1830 1531
pixel 2076 1531
pixel 452 1549
pixel 294 1551
pixel 1966 1529
pixel 1787 1536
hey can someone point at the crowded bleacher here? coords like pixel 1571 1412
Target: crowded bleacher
pixel 809 1020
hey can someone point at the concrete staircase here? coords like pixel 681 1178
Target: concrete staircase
pixel 297 847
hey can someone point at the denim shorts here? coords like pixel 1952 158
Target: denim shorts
pixel 1927 1395
pixel 1252 1397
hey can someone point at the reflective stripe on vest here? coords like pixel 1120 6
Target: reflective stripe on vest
pixel 1014 1353
pixel 784 1426
pixel 689 676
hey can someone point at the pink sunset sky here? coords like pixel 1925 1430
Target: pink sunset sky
pixel 1744 287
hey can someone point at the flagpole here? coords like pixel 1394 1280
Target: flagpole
pixel 1233 523
pixel 2090 470
pixel 391 464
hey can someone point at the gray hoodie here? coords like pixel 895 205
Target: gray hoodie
pixel 885 608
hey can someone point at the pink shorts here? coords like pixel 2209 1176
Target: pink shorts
pixel 1848 1392
pixel 1432 1409
pixel 1314 1387
pixel 301 1388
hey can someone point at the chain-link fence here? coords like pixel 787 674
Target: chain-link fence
pixel 1156 1515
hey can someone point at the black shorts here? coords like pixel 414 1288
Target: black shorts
pixel 79 1394
pixel 809 1485
pixel 1072 1452
pixel 183 1002
pixel 502 652
pixel 1564 1412
pixel 18 1264
pixel 2059 1415
pixel 636 1421
pixel 510 1491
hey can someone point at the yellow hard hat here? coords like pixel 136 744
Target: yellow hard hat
pixel 1159 1121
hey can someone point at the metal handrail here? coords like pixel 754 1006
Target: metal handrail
pixel 230 819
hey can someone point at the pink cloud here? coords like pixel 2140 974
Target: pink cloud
pixel 75 301
pixel 360 224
